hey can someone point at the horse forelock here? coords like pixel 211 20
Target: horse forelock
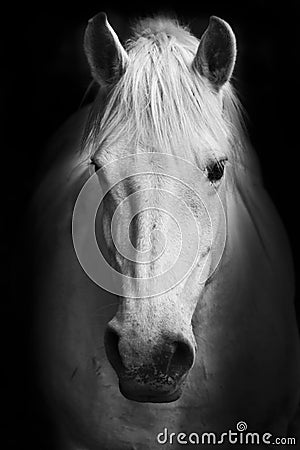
pixel 162 104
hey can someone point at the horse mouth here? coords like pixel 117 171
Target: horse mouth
pixel 151 396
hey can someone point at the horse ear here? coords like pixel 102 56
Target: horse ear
pixel 106 56
pixel 216 54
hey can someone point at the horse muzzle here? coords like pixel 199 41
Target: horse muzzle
pixel 152 370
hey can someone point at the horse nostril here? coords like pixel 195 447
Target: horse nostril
pixel 111 342
pixel 182 358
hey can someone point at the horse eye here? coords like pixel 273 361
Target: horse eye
pixel 94 163
pixel 215 170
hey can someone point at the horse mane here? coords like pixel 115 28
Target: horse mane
pixel 162 104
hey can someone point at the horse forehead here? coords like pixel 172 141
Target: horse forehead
pixel 199 149
pixel 163 180
pixel 157 187
pixel 153 167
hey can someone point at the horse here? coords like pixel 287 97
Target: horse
pixel 188 331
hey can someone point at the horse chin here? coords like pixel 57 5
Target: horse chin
pixel 150 396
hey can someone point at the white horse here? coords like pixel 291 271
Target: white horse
pixel 196 349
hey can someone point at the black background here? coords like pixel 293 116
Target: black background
pixel 44 75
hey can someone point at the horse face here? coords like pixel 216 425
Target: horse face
pixel 161 241
pixel 150 341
